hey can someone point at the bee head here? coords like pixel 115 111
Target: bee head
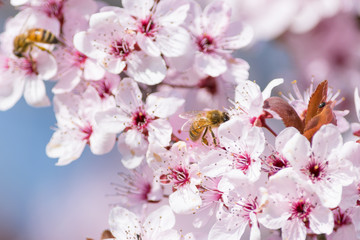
pixel 17 53
pixel 225 116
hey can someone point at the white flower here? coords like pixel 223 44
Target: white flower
pixel 157 225
pixel 294 208
pixel 324 164
pixel 243 147
pixel 173 167
pixel 114 48
pixel 142 123
pixel 76 127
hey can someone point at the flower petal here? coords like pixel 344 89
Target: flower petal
pixel 211 64
pixel 146 69
pixel 35 93
pixel 163 105
pixel 185 200
pixel 160 131
pixel 124 224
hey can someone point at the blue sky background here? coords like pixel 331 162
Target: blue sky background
pixel 41 201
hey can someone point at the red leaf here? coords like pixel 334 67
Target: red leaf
pixel 285 111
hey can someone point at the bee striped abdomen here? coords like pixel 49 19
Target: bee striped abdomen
pixel 42 36
pixel 197 128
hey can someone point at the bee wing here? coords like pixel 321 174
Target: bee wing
pixel 191 114
pixel 24 26
pixel 186 126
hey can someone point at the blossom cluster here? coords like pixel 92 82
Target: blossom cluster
pixel 158 79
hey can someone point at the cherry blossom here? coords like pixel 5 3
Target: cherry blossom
pixel 76 127
pixel 138 187
pixel 242 203
pixel 73 66
pixel 215 37
pixel 157 225
pixel 243 147
pixel 249 101
pixel 173 167
pixel 157 25
pixel 294 208
pixel 23 76
pixel 324 165
pixel 141 123
pixel 115 49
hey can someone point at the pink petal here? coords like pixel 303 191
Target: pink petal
pixel 146 69
pixel 10 91
pixel 100 142
pixel 147 45
pixel 163 105
pixel 173 41
pixel 138 8
pixel 35 93
pixel 237 36
pixel 325 140
pixel 93 71
pixel 211 64
pixel 64 147
pixel 123 223
pixel 160 220
pixel 216 17
pixel 321 220
pixel 185 200
pixel 160 131
pixel 172 12
pixel 67 81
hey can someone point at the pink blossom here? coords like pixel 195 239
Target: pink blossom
pixel 249 101
pixel 325 165
pixel 242 149
pixel 276 160
pixel 294 208
pixel 73 66
pixel 157 225
pixel 173 167
pixel 115 49
pixel 157 25
pixel 140 123
pixel 242 203
pixel 76 127
pixel 24 76
pixel 138 187
pixel 215 37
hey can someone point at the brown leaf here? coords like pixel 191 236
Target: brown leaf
pixel 317 98
pixel 326 116
pixel 287 113
pixel 107 234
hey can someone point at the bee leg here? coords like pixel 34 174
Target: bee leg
pixel 203 138
pixel 213 135
pixel 33 64
pixel 43 49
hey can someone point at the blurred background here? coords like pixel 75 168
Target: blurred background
pixel 39 200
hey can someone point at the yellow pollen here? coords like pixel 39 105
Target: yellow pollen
pixel 316 167
pixel 294 82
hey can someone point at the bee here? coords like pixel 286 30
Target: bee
pixel 200 122
pixel 24 42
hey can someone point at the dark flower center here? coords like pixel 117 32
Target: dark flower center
pixel 206 43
